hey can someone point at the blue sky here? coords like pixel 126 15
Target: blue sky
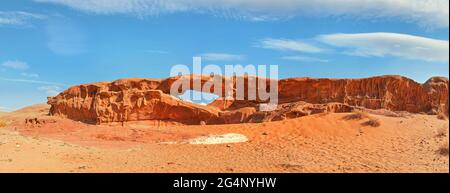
pixel 49 45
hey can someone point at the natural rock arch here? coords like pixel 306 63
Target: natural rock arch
pixel 149 99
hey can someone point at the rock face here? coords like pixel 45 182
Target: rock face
pixel 149 99
pixel 394 93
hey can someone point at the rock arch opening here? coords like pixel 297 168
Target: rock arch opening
pixel 197 97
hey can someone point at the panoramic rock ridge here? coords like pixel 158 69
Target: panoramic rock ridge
pixel 137 99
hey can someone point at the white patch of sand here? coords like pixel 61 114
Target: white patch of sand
pixel 219 139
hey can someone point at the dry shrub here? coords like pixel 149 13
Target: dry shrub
pixel 372 122
pixel 443 150
pixel 358 115
pixel 442 132
pixel 2 123
pixel 388 113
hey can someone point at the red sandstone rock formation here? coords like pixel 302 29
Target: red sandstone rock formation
pixel 149 99
pixel 395 93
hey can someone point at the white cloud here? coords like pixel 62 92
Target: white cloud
pixel 429 13
pixel 31 81
pixel 15 64
pixel 18 17
pixel 221 57
pixel 289 45
pixel 390 44
pixel 304 59
pixel 30 75
pixel 50 90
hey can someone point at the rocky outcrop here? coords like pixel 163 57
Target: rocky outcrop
pixel 395 93
pixel 437 88
pixel 149 99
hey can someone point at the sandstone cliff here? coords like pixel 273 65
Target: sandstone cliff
pixel 149 99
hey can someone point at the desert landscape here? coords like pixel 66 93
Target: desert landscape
pixel 375 124
pixel 224 86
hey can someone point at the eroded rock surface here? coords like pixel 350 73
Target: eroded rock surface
pixel 149 99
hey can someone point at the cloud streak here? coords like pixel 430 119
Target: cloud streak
pixel 31 81
pixel 289 45
pixel 378 44
pixel 221 57
pixel 304 59
pixel 15 64
pixel 156 51
pixel 18 18
pixel 390 44
pixel 430 13
pixel 30 75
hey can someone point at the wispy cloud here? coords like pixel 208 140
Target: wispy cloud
pixel 15 64
pixel 30 75
pixel 304 59
pixel 156 51
pixel 31 81
pixel 19 65
pixel 430 13
pixel 50 90
pixel 390 44
pixel 18 18
pixel 289 45
pixel 221 57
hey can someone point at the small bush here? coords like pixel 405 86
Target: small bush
pixel 2 123
pixel 358 115
pixel 372 122
pixel 442 132
pixel 388 113
pixel 443 150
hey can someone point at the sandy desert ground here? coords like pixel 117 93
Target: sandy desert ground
pixel 329 142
